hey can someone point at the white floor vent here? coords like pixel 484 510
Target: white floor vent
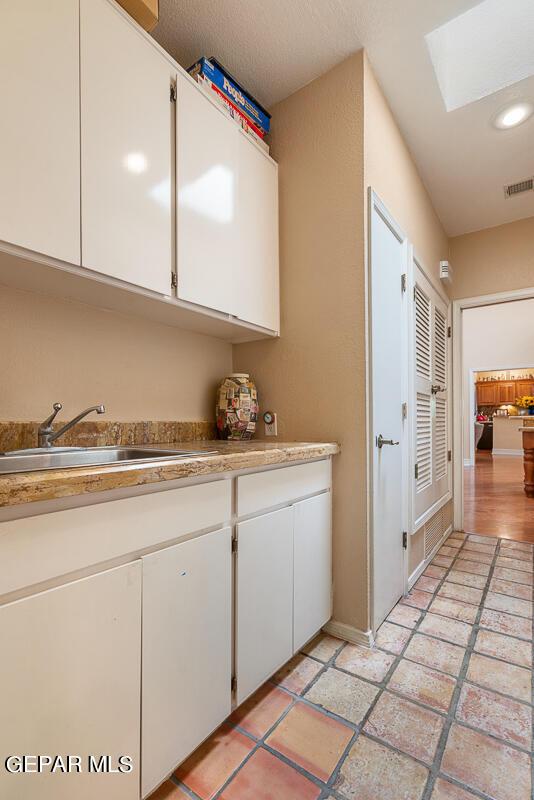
pixel 434 531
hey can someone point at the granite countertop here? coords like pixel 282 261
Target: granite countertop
pixel 29 487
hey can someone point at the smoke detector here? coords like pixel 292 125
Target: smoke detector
pixel 445 271
pixel 526 185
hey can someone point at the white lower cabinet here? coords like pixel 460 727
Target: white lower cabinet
pixel 312 587
pixel 264 597
pixel 187 650
pixel 70 678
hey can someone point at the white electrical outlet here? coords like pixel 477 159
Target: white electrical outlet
pixel 271 423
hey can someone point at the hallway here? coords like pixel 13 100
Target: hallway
pixel 439 709
pixel 494 501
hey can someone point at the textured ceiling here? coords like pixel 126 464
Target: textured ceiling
pixel 276 47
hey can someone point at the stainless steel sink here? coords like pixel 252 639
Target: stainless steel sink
pixel 63 457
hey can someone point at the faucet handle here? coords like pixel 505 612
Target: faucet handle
pixel 57 408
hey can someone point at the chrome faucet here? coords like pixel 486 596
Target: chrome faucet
pixel 45 433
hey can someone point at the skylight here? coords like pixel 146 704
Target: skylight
pixel 483 50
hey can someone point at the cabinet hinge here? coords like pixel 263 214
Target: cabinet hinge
pixel 173 94
pixel 234 545
pixel 174 280
pixel 405 539
pixel 404 280
pixel 449 455
pixel 405 410
pixel 233 684
pixel 416 470
pixel 415 293
pixel 449 332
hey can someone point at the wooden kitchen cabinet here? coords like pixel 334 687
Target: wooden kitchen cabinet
pixel 524 387
pixel 312 586
pixel 506 392
pixel 487 393
pixel 264 598
pixel 187 650
pixel 70 672
pixel 40 153
pixel 126 125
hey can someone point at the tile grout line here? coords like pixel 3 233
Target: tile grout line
pixel 327 788
pixel 460 680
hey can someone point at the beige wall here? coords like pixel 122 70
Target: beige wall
pixel 54 350
pixel 493 260
pixel 314 375
pixel 391 172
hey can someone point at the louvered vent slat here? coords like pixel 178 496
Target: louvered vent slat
pixel 440 348
pixel 424 441
pixel 434 530
pixel 423 334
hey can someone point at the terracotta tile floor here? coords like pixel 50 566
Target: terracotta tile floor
pixel 439 709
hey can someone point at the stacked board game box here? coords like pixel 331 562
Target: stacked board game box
pixel 230 95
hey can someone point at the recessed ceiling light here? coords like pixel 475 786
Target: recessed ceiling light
pixel 513 115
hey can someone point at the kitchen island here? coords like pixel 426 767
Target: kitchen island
pixel 527 433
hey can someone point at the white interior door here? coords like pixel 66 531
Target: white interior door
pixel 388 264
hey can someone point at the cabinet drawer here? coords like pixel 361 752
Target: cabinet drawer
pixel 40 548
pixel 263 490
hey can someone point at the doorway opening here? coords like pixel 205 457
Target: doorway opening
pixel 494 384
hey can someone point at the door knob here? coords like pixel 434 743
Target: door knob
pixel 380 441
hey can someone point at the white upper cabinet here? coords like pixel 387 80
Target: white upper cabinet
pixel 206 183
pixel 227 214
pixel 126 151
pixel 39 132
pixel 256 257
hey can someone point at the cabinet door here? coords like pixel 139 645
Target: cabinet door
pixel 126 123
pixel 207 235
pixel 264 598
pixel 487 394
pixel 524 387
pixel 187 650
pixel 312 567
pixel 506 392
pixel 256 282
pixel 70 672
pixel 40 129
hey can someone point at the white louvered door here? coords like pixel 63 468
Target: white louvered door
pixel 431 479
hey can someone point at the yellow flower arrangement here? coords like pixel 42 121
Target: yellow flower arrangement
pixel 527 401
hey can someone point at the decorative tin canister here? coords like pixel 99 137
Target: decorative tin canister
pixel 237 407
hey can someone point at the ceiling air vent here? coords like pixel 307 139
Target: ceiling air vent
pixel 511 189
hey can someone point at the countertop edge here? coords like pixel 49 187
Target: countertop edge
pixel 30 487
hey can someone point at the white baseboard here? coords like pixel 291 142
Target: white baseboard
pixel 424 564
pixel 468 462
pixel 350 634
pixel 507 452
